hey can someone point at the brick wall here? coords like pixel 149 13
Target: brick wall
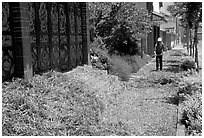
pixel 85 33
pixel 22 45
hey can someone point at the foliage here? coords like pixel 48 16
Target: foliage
pixel 189 87
pixel 98 43
pixel 188 64
pixel 120 24
pixel 45 107
pixel 136 61
pixel 121 42
pixel 52 106
pixel 102 59
pixel 191 90
pixel 191 16
pixel 122 66
pixel 190 12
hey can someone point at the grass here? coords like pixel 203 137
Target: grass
pixel 190 89
pixel 45 107
pixel 51 105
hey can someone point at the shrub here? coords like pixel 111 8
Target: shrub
pixel 191 91
pixel 189 88
pixel 188 64
pixel 120 67
pixel 102 58
pixel 97 43
pixel 192 113
pixel 121 42
pixel 136 62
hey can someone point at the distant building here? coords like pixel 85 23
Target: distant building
pixel 149 42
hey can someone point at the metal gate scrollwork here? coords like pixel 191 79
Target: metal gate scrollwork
pixel 55 42
pixel 76 35
pixel 55 36
pixel 8 55
pixel 63 36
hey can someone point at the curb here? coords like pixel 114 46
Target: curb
pixel 181 130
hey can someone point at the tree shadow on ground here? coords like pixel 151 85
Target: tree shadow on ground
pixel 172 61
pixel 178 52
pixel 175 99
pixel 173 68
pixel 154 70
pixel 172 100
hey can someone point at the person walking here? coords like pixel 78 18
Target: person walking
pixel 159 48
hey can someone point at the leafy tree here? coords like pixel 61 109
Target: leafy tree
pixel 191 16
pixel 119 24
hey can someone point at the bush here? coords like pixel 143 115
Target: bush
pixel 121 42
pixel 191 91
pixel 97 43
pixel 120 67
pixel 192 113
pixel 99 58
pixel 188 64
pixel 136 61
pixel 189 88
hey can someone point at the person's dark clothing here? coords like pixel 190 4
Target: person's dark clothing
pixel 159 48
pixel 159 62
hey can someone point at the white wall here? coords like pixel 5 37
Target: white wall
pixel 141 5
pixel 156 6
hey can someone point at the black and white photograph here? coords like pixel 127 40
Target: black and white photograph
pixel 101 68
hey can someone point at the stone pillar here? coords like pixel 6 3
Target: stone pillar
pixel 22 40
pixel 86 33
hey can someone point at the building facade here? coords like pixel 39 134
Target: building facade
pixel 149 42
pixel 42 36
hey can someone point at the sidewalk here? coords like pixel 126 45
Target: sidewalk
pixel 147 105
pixel 152 108
pixel 180 47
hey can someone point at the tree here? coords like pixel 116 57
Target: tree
pixel 119 24
pixel 191 16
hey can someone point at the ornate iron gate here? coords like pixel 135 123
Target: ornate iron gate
pixel 56 35
pixel 8 55
pixel 55 30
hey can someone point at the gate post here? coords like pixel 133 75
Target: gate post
pixel 22 40
pixel 85 33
